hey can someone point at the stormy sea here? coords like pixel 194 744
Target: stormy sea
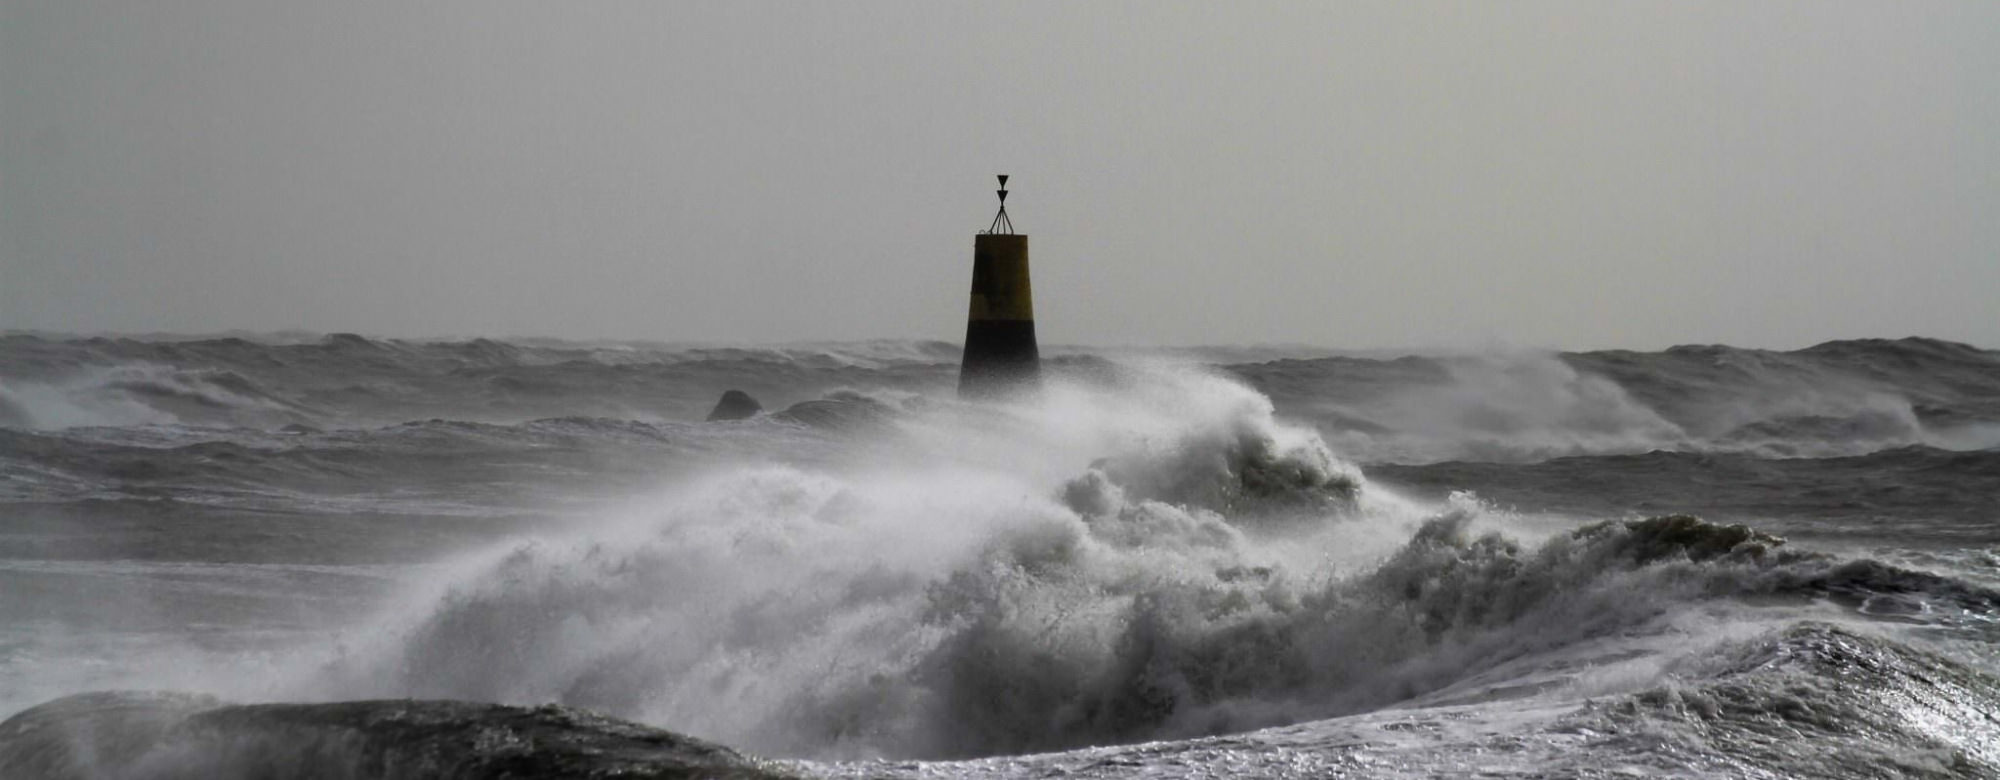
pixel 305 555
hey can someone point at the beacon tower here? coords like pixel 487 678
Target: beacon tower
pixel 1000 354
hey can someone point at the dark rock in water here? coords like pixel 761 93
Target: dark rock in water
pixel 839 411
pixel 171 735
pixel 735 405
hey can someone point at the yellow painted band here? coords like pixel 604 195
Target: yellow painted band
pixel 1000 288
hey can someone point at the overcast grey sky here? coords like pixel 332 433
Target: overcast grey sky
pixel 1573 174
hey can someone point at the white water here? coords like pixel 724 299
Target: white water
pixel 1150 554
pixel 978 581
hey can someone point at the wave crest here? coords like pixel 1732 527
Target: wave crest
pixel 956 605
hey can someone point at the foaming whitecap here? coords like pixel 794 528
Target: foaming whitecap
pixel 1102 566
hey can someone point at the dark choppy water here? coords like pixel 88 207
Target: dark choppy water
pixel 1264 562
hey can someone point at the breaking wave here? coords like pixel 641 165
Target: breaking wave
pixel 1100 567
pixel 1145 552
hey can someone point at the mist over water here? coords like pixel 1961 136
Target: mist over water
pixel 1151 549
